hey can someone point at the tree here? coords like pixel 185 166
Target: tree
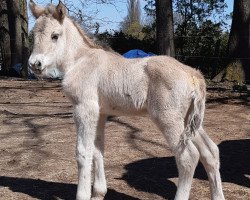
pixel 199 39
pixel 165 28
pixel 187 14
pixel 238 67
pixel 192 16
pixel 132 23
pixel 15 30
pixel 25 37
pixel 4 39
pixel 16 34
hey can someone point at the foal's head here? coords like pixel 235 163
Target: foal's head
pixel 49 39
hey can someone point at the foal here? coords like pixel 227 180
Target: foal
pixel 101 83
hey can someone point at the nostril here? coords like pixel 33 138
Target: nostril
pixel 35 63
pixel 38 64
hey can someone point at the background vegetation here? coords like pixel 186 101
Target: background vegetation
pixel 193 31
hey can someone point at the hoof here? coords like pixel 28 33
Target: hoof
pixel 97 197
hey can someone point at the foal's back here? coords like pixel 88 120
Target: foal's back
pixel 126 85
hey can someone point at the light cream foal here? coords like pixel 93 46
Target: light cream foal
pixel 101 83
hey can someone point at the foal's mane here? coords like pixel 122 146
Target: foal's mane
pixel 91 44
pixel 84 36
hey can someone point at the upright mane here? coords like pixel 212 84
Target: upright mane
pixel 85 38
pixel 91 44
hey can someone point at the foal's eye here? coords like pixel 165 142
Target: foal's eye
pixel 54 37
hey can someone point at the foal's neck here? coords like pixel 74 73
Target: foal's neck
pixel 76 46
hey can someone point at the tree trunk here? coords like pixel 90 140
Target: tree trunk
pixel 238 68
pixel 25 37
pixel 14 42
pixel 164 27
pixel 15 30
pixel 4 40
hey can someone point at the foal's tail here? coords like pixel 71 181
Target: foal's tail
pixel 195 114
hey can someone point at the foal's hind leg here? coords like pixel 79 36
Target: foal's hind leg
pixel 209 156
pixel 187 155
pixel 99 186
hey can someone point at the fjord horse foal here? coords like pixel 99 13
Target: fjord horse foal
pixel 101 83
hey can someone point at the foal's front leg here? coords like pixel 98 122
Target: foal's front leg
pixel 86 119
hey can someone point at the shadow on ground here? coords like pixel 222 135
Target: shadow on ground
pixel 45 190
pixel 151 175
pixel 148 175
pixel 39 189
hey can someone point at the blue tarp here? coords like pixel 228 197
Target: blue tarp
pixel 137 53
pixel 15 71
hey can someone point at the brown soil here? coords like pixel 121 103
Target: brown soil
pixel 38 147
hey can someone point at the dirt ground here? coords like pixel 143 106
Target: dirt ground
pixel 37 152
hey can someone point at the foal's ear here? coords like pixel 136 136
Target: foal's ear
pixel 36 10
pixel 60 12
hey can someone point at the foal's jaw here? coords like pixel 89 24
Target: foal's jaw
pixel 43 68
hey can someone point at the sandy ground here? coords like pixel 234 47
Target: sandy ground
pixel 37 152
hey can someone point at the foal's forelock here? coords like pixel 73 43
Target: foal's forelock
pixel 40 26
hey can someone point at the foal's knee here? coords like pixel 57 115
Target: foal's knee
pixel 83 156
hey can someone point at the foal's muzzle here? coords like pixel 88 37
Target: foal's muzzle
pixel 37 65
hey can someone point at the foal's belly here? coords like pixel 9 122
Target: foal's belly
pixel 123 106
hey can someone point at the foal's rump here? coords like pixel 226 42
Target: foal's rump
pixel 176 90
